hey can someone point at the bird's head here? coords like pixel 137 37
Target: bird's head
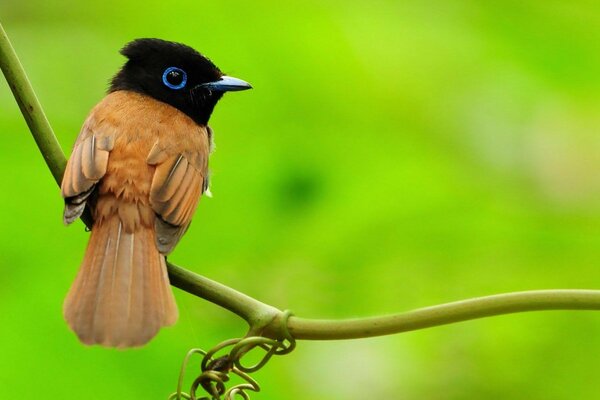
pixel 175 74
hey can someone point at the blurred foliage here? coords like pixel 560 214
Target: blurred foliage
pixel 392 155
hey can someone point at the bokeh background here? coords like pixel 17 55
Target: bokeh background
pixel 392 155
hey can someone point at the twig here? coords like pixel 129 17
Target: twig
pixel 443 314
pixel 256 313
pixel 31 108
pixel 265 319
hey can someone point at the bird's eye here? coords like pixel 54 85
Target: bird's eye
pixel 174 78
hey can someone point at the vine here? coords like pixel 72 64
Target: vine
pixel 214 372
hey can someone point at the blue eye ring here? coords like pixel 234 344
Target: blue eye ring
pixel 180 85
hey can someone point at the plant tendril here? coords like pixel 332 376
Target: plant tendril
pixel 215 371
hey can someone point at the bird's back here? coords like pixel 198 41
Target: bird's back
pixel 150 183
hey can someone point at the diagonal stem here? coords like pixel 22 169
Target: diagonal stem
pixel 31 108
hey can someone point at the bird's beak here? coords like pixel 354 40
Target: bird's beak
pixel 227 84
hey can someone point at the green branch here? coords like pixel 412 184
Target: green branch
pixel 31 108
pixel 256 313
pixel 265 319
pixel 443 314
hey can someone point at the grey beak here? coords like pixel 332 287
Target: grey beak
pixel 227 84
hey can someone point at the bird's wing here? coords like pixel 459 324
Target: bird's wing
pixel 86 166
pixel 180 178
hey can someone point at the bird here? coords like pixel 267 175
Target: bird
pixel 139 167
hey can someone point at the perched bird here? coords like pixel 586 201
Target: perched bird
pixel 140 165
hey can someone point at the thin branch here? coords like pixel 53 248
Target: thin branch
pixel 250 309
pixel 480 307
pixel 31 108
pixel 443 314
pixel 265 319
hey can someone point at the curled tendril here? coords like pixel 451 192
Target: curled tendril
pixel 215 371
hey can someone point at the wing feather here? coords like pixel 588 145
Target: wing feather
pixel 167 178
pixel 86 166
pixel 177 185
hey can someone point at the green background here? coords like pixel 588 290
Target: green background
pixel 392 155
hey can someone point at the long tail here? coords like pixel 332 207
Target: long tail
pixel 121 296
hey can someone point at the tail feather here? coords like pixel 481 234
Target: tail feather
pixel 121 296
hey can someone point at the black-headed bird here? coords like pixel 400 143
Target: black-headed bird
pixel 140 165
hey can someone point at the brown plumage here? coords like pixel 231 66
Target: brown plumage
pixel 148 183
pixel 140 165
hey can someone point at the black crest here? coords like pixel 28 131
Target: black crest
pixel 172 73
